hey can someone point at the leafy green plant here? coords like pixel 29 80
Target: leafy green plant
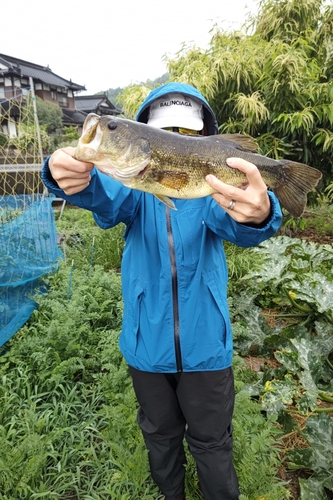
pixel 256 457
pixel 317 457
pixel 283 311
pixel 67 407
pixel 71 133
pixel 49 115
pixel 86 243
pixel 55 376
pixel 27 139
pixel 241 261
pixel 3 139
pixel 319 221
pixel 7 214
pixel 270 79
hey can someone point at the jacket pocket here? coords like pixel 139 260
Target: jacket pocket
pixel 134 315
pixel 222 306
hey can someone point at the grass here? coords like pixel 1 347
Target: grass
pixel 67 408
pixel 320 220
pixel 85 243
pixel 315 225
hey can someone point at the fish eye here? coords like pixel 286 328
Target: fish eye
pixel 112 125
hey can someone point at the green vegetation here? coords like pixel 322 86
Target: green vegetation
pixel 68 412
pixel 282 315
pixel 115 95
pixel 321 225
pixel 49 115
pixel 86 243
pixel 27 139
pixel 67 409
pixel 272 80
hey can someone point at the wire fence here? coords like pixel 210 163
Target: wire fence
pixel 28 239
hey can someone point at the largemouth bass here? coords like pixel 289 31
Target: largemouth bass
pixel 171 165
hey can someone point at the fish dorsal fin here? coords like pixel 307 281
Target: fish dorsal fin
pixel 171 179
pixel 237 141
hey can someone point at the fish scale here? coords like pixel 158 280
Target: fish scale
pixel 170 165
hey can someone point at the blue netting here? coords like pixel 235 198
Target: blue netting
pixel 28 250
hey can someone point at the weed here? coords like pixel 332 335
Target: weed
pixel 67 408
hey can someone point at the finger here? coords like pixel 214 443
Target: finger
pixel 71 165
pixel 225 203
pixel 69 150
pixel 63 159
pixel 226 190
pixel 67 181
pixel 215 183
pixel 249 169
pixel 75 189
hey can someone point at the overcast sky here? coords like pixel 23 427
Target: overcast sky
pixel 108 44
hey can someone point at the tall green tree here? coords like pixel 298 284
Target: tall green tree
pixel 272 79
pixel 49 115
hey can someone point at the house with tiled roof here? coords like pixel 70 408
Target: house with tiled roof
pixel 15 78
pixel 98 103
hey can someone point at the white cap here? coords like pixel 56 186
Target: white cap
pixel 176 110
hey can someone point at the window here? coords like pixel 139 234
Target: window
pixel 63 101
pixel 38 86
pixel 2 92
pixel 46 86
pixel 8 82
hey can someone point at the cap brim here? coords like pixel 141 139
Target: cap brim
pixel 189 122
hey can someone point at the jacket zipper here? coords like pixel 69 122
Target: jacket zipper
pixel 174 291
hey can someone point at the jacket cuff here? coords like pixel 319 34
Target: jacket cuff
pixel 47 178
pixel 268 219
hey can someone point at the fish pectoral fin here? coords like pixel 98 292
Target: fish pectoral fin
pixel 237 141
pixel 171 179
pixel 167 201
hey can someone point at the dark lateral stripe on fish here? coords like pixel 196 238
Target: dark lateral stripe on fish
pixel 166 164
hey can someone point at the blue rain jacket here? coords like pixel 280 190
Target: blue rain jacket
pixel 174 273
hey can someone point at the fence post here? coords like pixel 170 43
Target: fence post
pixel 37 126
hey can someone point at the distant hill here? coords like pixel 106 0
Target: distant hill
pixel 112 94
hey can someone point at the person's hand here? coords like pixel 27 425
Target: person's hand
pixel 247 204
pixel 71 175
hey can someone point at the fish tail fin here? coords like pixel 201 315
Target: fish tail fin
pixel 298 180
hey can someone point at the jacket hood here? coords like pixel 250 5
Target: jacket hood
pixel 181 88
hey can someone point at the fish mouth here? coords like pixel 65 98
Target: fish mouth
pixel 89 128
pixel 143 171
pixel 123 155
pixel 90 140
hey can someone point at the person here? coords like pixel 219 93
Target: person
pixel 176 334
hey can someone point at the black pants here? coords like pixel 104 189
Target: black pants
pixel 198 406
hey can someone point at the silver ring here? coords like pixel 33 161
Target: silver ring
pixel 231 205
